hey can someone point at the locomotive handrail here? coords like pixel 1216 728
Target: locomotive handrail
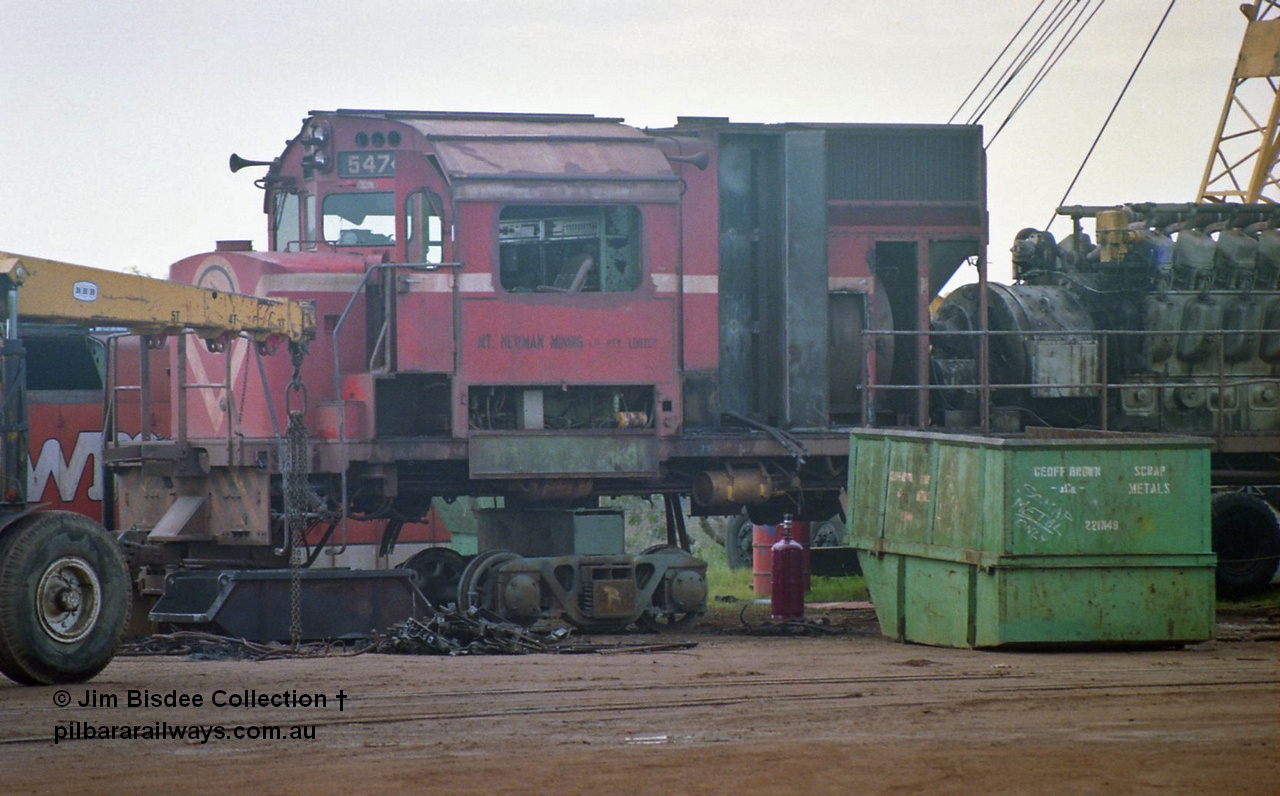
pixel 337 393
pixel 1218 379
pixel 337 372
pixel 422 266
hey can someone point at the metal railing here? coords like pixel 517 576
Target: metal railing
pixel 1209 372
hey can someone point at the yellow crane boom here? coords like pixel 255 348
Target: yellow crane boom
pixel 50 291
pixel 64 585
pixel 1245 149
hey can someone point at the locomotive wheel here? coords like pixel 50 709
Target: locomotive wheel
pixel 653 618
pixel 439 569
pixel 1246 537
pixel 475 586
pixel 737 542
pixel 64 599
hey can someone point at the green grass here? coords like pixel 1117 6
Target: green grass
pixel 736 583
pixel 646 526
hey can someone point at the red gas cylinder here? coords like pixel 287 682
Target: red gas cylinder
pixel 787 598
pixel 763 537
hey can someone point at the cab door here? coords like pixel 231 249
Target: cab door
pixel 420 302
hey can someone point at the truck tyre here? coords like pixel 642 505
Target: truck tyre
pixel 738 541
pixel 1246 537
pixel 828 533
pixel 64 598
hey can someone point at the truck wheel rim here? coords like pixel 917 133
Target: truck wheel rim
pixel 68 599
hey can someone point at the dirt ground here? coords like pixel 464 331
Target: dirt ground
pixel 841 712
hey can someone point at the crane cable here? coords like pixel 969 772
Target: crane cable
pixel 1116 105
pixel 1059 50
pixel 1007 45
pixel 1068 12
pixel 1029 51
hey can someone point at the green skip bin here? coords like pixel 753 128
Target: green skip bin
pixel 1062 539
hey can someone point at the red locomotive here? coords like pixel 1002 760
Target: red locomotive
pixel 551 309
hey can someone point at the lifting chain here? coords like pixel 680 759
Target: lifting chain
pixel 295 468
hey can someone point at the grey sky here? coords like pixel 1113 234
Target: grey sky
pixel 119 116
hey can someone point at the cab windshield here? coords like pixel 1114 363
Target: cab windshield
pixel 360 219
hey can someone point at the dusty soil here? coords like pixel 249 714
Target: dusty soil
pixel 832 713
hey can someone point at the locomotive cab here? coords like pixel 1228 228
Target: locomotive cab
pixel 518 274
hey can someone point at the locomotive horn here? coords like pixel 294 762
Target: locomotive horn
pixel 699 160
pixel 238 163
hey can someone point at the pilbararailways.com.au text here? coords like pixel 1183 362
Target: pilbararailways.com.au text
pixel 247 700
pixel 187 733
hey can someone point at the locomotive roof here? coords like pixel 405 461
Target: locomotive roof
pixel 513 157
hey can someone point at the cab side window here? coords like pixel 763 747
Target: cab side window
pixel 425 222
pixel 287 231
pixel 309 222
pixel 569 248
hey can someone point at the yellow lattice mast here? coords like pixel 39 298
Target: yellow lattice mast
pixel 1241 165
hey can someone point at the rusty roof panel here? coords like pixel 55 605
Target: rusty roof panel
pixel 478 159
pixel 520 158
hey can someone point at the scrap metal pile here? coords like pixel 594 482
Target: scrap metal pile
pixel 477 631
pixel 471 632
pixel 446 632
pixel 202 646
